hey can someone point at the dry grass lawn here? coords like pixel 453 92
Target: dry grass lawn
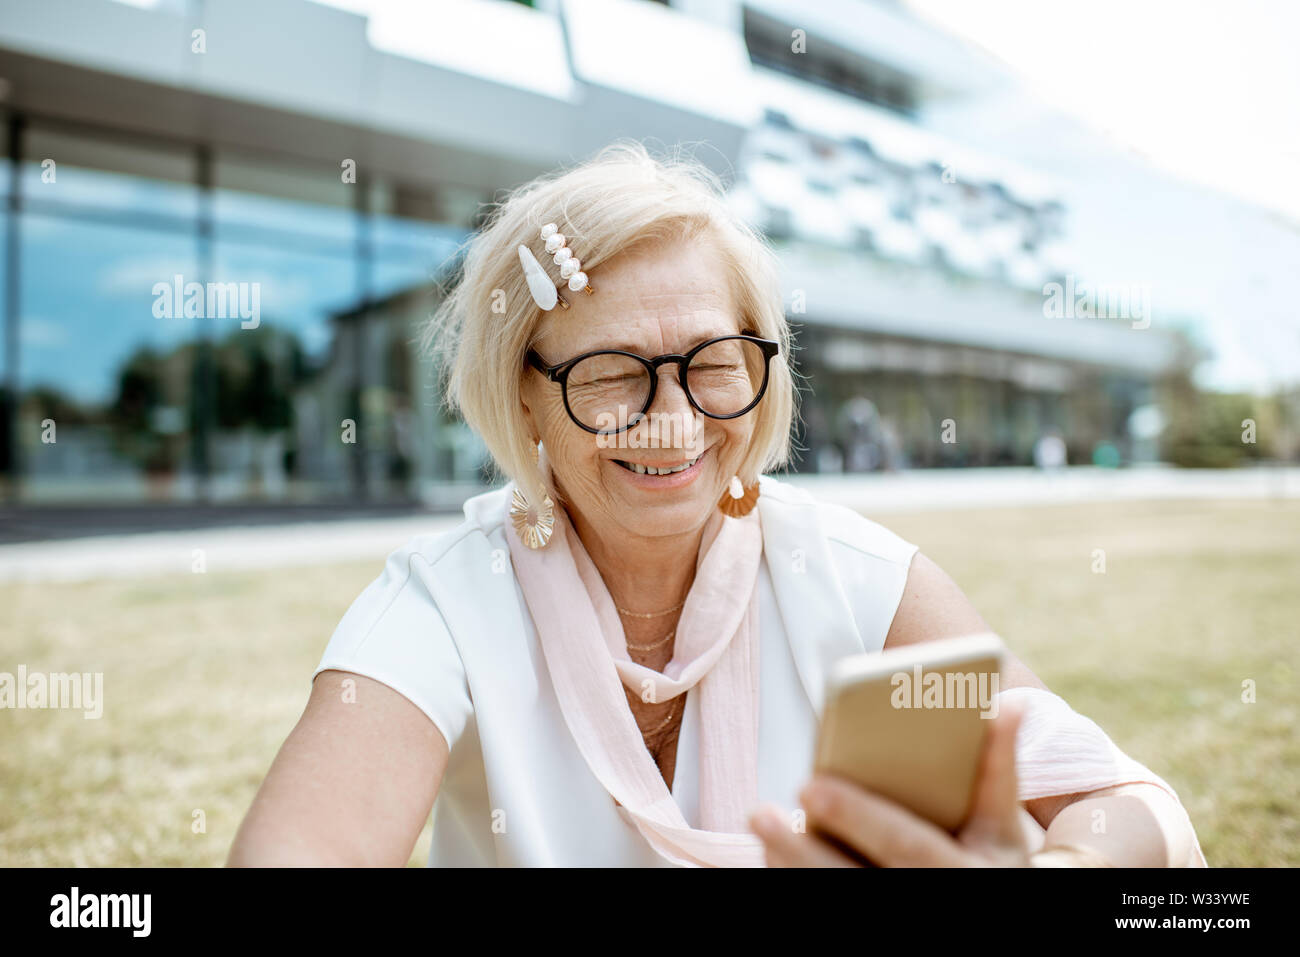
pixel 206 674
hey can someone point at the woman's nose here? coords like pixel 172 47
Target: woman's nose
pixel 669 422
pixel 670 398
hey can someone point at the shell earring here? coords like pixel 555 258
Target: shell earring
pixel 738 500
pixel 534 526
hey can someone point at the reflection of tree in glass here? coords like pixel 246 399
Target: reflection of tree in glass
pixel 255 373
pixel 143 431
pixel 46 402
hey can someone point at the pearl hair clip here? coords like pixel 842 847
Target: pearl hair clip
pixel 539 282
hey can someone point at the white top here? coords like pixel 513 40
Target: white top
pixel 446 626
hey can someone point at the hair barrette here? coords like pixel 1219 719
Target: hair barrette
pixel 539 281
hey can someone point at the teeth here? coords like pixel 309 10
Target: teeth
pixel 650 470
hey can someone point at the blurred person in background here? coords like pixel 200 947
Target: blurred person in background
pixel 1050 452
pixel 858 425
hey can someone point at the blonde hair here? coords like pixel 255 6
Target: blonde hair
pixel 618 199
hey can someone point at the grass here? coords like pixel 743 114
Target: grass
pixel 1196 598
pixel 206 674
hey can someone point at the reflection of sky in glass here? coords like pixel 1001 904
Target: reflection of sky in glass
pixel 87 301
pixel 410 253
pixel 233 210
pixel 75 185
pixel 388 230
pixel 392 276
pixel 299 291
pixel 87 288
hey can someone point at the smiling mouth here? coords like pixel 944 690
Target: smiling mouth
pixel 640 469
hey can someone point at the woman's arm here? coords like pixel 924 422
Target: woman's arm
pixel 1131 825
pixel 352 785
pixel 933 607
pixel 1143 825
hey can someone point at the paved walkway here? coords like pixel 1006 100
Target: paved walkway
pixel 929 489
pixel 323 542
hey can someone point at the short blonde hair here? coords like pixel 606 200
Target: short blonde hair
pixel 620 198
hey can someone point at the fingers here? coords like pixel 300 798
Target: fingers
pixel 882 831
pixel 995 811
pixel 787 847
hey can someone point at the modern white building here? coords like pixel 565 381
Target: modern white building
pixel 335 154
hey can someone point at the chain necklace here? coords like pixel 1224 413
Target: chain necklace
pixel 652 614
pixel 672 713
pixel 658 644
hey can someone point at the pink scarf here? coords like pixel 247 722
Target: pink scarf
pixel 1058 751
pixel 716 651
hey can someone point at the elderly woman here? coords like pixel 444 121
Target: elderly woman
pixel 619 658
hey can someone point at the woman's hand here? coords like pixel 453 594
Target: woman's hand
pixel 888 835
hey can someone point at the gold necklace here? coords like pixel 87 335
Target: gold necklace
pixel 672 712
pixel 661 641
pixel 653 614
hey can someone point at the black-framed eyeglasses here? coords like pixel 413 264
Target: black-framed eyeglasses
pixel 610 391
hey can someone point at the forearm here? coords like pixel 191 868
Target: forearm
pixel 1133 825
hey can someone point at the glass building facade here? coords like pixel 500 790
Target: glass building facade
pixel 290 376
pixel 229 314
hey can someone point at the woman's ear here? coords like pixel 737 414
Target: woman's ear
pixel 530 422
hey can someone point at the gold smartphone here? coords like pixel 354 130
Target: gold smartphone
pixel 909 723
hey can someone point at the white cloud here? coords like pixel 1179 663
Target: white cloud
pixel 41 333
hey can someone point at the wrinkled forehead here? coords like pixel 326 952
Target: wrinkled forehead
pixel 651 300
